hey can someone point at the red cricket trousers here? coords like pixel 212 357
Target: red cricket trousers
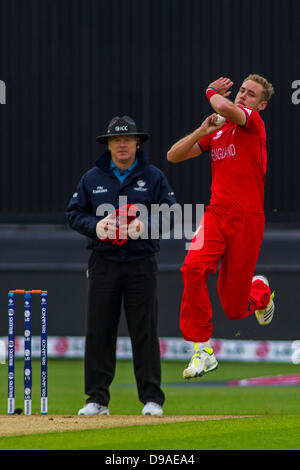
pixel 234 239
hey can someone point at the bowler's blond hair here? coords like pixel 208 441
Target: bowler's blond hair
pixel 268 89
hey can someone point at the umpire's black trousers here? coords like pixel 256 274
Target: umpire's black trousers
pixel 135 283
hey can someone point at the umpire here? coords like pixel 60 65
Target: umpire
pixel 122 265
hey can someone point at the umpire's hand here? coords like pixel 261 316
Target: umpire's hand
pixel 107 227
pixel 133 230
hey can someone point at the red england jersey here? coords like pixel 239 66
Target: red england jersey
pixel 239 163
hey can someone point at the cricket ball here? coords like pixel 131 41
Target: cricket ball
pixel 220 120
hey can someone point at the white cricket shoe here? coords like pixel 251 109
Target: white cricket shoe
pixel 202 361
pixel 94 409
pixel 152 408
pixel 265 316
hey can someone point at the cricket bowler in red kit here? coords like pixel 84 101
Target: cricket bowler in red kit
pixel 233 224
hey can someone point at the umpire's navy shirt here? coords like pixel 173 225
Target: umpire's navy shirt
pixel 146 184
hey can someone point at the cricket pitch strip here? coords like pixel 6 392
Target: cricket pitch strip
pixel 16 425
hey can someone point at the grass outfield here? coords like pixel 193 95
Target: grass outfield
pixel 267 433
pixel 273 413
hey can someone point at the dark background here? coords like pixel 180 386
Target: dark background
pixel 71 65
